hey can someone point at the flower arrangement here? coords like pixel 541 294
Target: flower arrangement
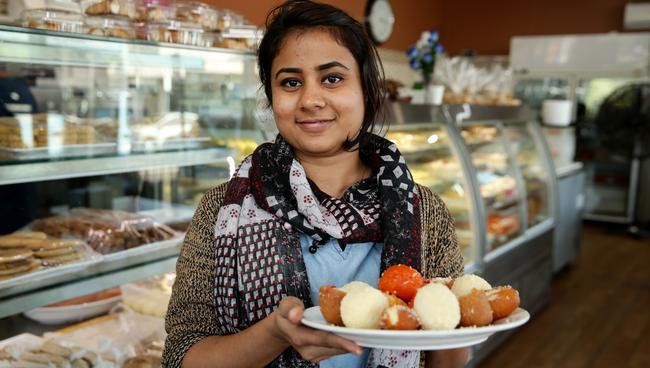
pixel 422 56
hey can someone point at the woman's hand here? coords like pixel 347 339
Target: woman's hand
pixel 313 345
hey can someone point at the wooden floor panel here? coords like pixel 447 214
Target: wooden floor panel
pixel 599 315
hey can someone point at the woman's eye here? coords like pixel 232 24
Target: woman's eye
pixel 291 83
pixel 332 79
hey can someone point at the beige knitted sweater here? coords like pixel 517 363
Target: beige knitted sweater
pixel 191 314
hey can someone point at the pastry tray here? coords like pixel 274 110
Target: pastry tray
pixel 176 144
pixel 67 151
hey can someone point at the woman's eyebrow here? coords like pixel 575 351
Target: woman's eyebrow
pixel 288 70
pixel 331 64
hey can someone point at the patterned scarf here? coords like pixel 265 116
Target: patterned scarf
pixel 270 199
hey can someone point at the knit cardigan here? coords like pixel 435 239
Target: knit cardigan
pixel 191 315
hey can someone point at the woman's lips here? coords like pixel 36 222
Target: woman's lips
pixel 315 126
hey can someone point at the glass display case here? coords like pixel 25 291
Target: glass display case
pixel 436 163
pixel 492 168
pixel 106 146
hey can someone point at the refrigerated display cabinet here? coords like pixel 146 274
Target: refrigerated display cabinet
pixel 491 166
pixel 112 139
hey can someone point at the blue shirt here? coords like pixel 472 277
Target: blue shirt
pixel 331 265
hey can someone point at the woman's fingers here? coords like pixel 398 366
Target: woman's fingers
pixel 313 345
pixel 315 355
pixel 300 336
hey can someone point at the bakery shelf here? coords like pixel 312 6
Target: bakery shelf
pixel 35 46
pixel 109 271
pixel 502 205
pixel 64 169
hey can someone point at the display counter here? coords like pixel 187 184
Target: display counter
pixel 111 143
pixel 493 169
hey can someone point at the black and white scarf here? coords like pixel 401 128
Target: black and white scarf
pixel 269 199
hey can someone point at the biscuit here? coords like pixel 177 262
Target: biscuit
pixel 48 253
pixel 58 260
pixel 21 269
pixel 14 254
pixel 29 234
pixel 54 348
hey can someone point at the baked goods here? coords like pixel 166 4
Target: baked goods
pixel 46 130
pixel 362 307
pixel 123 8
pixel 104 294
pixel 51 354
pixel 437 307
pixel 52 20
pixel 16 261
pixel 110 26
pixel 106 231
pixel 197 13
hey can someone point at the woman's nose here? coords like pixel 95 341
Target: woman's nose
pixel 312 97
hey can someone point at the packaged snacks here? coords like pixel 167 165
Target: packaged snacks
pixel 154 12
pixel 198 14
pixel 42 130
pixel 110 26
pixel 24 252
pixel 175 32
pixel 106 231
pixel 123 8
pixel 52 20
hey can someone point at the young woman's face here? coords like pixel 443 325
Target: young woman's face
pixel 317 94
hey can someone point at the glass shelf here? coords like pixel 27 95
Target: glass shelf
pixel 35 46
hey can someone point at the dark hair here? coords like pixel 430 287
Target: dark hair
pixel 302 15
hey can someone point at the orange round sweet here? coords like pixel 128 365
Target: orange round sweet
pixel 503 301
pixel 330 303
pixel 399 317
pixel 475 309
pixel 402 281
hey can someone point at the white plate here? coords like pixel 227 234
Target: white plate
pixel 72 313
pixel 416 340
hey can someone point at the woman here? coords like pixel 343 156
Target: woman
pixel 326 203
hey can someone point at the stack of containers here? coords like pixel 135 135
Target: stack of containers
pixel 110 18
pixel 58 15
pixel 188 23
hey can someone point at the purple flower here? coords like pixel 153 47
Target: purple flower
pixel 415 65
pixel 439 49
pixel 433 38
pixel 427 57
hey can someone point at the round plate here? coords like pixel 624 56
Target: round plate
pixel 419 339
pixel 72 313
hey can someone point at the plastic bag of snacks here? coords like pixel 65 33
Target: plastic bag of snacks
pixel 106 231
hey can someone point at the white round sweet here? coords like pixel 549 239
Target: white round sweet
pixel 437 307
pixel 362 308
pixel 464 285
pixel 355 285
